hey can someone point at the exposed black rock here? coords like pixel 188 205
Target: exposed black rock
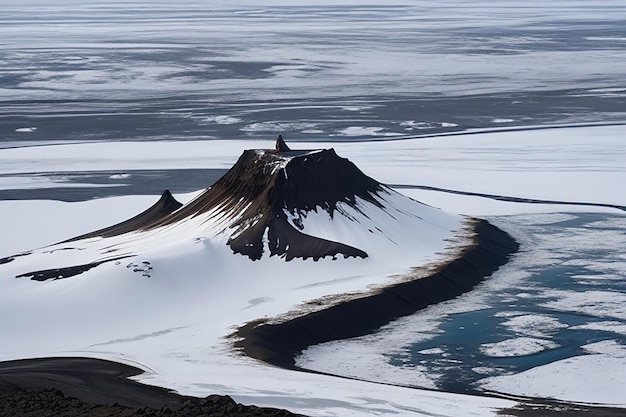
pixel 263 186
pixel 53 402
pixel 65 272
pixel 12 258
pixel 166 205
pixel 548 408
pixel 73 387
pixel 281 146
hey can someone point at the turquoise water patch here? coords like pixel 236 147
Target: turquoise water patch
pixel 570 278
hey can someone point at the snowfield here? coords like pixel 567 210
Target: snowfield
pixel 171 305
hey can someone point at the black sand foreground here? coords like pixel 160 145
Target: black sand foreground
pixel 546 408
pixel 72 387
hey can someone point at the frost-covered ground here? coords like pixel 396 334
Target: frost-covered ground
pixel 122 99
pixel 181 345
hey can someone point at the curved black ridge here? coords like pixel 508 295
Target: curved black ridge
pixel 279 344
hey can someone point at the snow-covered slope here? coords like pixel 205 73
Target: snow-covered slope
pixel 280 234
pixel 172 323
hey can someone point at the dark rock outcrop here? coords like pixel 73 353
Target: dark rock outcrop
pixel 262 186
pixel 53 402
pixel 281 146
pixel 72 387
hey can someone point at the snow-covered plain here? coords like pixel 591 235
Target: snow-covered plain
pixel 116 87
pixel 177 329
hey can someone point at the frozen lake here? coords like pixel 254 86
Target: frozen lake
pixel 561 296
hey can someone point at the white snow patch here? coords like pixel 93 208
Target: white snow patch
pixel 431 351
pixel 277 126
pixel 608 347
pixel 222 120
pixel 363 361
pixel 605 326
pixel 366 131
pixel 534 325
pixel 606 38
pixel 562 379
pixel 608 304
pixel 519 346
pixel 412 124
pixel 119 176
pixel 485 370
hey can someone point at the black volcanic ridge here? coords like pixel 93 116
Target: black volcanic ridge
pixel 262 186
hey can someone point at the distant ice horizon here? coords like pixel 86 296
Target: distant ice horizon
pixel 350 70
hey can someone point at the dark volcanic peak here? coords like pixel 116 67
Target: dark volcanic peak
pixel 281 146
pixel 264 186
pixel 166 205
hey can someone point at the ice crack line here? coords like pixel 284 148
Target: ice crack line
pixel 510 199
